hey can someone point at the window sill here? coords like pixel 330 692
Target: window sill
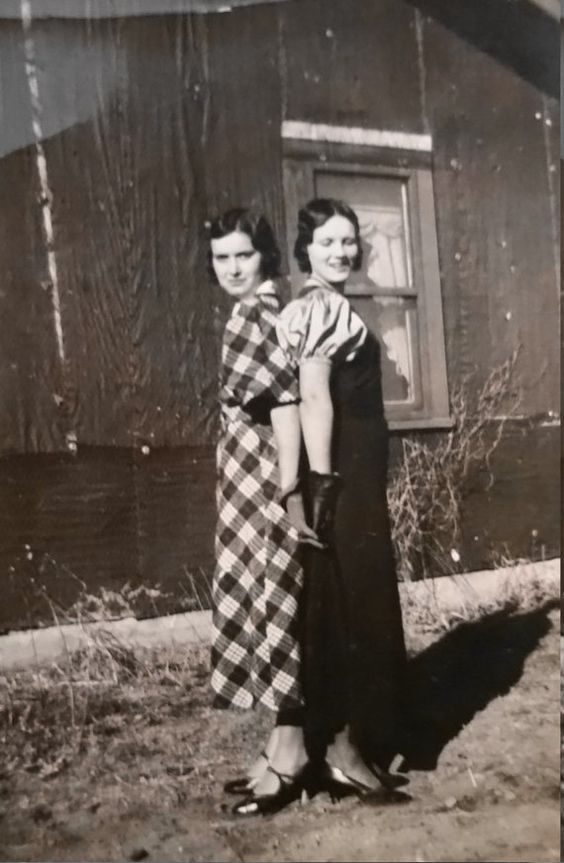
pixel 421 424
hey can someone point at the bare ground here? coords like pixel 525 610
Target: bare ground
pixel 128 763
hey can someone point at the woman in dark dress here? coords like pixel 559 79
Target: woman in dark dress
pixel 353 652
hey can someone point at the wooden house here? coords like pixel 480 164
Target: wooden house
pixel 124 124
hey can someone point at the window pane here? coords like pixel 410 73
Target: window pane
pixel 381 206
pixel 394 321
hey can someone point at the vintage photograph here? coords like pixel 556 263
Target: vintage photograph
pixel 280 430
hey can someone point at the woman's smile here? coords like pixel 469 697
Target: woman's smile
pixel 333 250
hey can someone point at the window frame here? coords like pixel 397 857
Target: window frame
pixel 302 160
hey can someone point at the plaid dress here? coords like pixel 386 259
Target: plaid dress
pixel 258 576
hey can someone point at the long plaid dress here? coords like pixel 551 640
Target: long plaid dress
pixel 258 576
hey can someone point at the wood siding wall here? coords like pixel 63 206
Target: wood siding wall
pixel 150 125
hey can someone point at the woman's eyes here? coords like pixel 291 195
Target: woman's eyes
pixel 346 242
pixel 223 258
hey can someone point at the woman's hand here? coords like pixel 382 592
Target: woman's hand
pixel 293 502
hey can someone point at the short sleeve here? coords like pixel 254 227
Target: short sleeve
pixel 254 366
pixel 320 326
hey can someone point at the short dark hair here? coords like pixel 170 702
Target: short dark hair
pixel 314 215
pixel 257 228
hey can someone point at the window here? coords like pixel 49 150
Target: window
pixel 397 291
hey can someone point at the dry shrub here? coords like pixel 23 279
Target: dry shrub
pixel 112 604
pixel 53 592
pixel 429 483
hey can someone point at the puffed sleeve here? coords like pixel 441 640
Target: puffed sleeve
pixel 322 326
pixel 256 373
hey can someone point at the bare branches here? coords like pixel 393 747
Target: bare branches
pixel 431 478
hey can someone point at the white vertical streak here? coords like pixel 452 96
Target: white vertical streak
pixel 552 190
pixel 283 66
pixel 421 68
pixel 41 163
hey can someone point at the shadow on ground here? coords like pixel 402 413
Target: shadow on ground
pixel 458 675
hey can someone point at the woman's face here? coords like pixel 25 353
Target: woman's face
pixel 333 250
pixel 237 264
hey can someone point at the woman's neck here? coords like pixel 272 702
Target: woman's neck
pixel 338 287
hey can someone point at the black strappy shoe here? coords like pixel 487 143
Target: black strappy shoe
pixel 336 777
pixel 243 784
pixel 290 789
pixel 389 781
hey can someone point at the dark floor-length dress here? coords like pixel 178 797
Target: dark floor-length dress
pixel 353 650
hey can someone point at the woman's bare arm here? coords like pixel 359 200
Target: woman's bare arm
pixel 316 414
pixel 287 436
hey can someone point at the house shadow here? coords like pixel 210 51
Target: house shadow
pixel 458 675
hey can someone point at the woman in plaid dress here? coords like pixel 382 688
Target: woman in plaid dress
pixel 258 576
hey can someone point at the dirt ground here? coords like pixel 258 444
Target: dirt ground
pixel 146 782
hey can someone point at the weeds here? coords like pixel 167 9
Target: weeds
pixel 52 715
pixel 53 593
pixel 109 604
pixel 429 483
pixel 423 611
pixel 198 594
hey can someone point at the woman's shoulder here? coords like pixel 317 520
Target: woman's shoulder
pixel 311 302
pixel 320 322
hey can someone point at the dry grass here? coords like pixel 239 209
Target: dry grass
pixel 197 590
pixel 429 483
pixel 423 612
pixel 51 716
pixel 54 593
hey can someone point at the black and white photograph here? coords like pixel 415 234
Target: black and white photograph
pixel 280 430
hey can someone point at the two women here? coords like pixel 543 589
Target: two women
pixel 312 369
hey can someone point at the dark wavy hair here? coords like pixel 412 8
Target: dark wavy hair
pixel 314 215
pixel 257 228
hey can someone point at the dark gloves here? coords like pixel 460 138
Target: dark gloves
pixel 292 501
pixel 324 491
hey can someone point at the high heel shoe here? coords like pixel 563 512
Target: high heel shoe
pixel 337 777
pixel 389 781
pixel 290 789
pixel 243 784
